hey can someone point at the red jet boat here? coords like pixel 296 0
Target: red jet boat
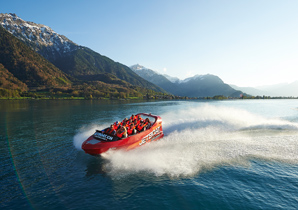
pixel 101 142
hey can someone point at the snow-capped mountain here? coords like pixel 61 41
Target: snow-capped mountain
pixel 196 86
pixel 37 36
pixel 145 71
pixel 76 61
pixel 153 77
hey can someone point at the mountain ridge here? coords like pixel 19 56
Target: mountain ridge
pixel 197 86
pixel 275 90
pixel 39 37
pixel 28 66
pixel 76 61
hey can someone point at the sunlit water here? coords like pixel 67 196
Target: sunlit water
pixel 240 154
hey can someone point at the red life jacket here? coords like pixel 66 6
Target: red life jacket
pixel 109 131
pixel 139 119
pixel 133 118
pixel 140 127
pixel 130 130
pixel 127 124
pixel 120 135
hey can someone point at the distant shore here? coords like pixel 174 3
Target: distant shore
pixel 145 98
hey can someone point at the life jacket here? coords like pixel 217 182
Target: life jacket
pixel 127 124
pixel 135 122
pixel 139 121
pixel 115 126
pixel 109 131
pixel 130 130
pixel 140 127
pixel 120 135
pixel 139 118
pixel 133 118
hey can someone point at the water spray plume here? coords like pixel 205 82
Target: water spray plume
pixel 201 138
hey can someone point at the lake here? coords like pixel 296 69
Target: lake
pixel 233 154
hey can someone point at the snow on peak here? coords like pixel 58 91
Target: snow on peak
pixel 37 34
pixel 200 77
pixel 137 67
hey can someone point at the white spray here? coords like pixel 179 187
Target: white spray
pixel 205 137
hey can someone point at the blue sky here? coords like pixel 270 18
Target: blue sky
pixel 244 42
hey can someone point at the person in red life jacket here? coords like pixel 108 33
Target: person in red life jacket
pixel 133 117
pixel 124 122
pixel 147 123
pixel 135 122
pixel 110 130
pixel 128 122
pixel 141 126
pixel 116 125
pixel 121 132
pixel 131 130
pixel 139 119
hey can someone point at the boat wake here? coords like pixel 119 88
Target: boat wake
pixel 206 137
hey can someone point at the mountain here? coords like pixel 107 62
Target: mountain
pixel 9 81
pixel 206 85
pixel 24 68
pixel 282 89
pixel 197 86
pixel 153 77
pixel 252 91
pixel 172 79
pixel 277 90
pixel 39 37
pixel 77 61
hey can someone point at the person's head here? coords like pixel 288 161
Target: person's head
pixel 131 125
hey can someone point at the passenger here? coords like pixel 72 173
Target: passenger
pixel 147 123
pixel 116 125
pixel 128 123
pixel 141 126
pixel 124 122
pixel 139 119
pixel 131 130
pixel 110 130
pixel 121 132
pixel 133 117
pixel 135 122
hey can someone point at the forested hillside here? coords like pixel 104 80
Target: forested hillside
pixel 26 73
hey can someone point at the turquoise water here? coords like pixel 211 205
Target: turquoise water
pixel 240 154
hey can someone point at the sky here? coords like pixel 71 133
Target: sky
pixel 247 43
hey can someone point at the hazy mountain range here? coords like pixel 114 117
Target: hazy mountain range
pixel 276 90
pixel 196 86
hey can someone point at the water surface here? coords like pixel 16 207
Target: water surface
pixel 240 154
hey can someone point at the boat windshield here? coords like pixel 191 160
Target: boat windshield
pixel 151 119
